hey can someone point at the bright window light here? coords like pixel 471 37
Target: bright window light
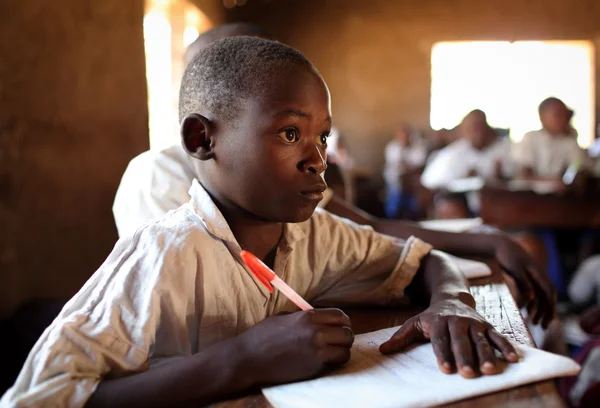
pixel 157 41
pixel 169 27
pixel 189 35
pixel 509 80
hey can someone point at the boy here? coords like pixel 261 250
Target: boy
pixel 173 317
pixel 157 182
pixel 478 152
pixel 546 154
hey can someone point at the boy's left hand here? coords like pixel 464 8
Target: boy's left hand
pixel 461 338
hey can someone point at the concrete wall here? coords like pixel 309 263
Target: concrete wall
pixel 72 113
pixel 375 55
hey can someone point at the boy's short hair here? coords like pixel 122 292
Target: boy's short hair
pixel 222 31
pixel 548 102
pixel 230 70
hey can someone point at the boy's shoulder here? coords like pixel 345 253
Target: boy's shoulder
pixel 179 228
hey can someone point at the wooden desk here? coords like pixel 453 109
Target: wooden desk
pixel 496 304
pixel 525 209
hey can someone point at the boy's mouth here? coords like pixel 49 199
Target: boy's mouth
pixel 315 193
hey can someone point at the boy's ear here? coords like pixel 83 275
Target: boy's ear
pixel 196 136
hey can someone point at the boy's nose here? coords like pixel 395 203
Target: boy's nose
pixel 315 162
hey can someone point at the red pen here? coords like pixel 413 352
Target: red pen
pixel 267 277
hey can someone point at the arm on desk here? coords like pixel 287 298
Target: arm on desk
pixel 534 285
pixel 461 337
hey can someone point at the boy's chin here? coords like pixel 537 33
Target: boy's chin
pixel 301 215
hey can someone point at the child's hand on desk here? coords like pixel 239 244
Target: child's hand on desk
pixel 295 346
pixel 461 338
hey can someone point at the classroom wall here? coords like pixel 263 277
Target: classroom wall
pixel 72 113
pixel 375 55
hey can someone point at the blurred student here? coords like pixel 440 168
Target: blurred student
pixel 405 152
pixel 546 154
pixel 477 152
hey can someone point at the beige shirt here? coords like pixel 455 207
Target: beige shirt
pixel 177 286
pixel 548 156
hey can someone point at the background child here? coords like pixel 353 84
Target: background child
pixel 174 306
pixel 478 152
pixel 548 152
pixel 404 153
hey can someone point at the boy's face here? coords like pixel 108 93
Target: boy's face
pixel 271 159
pixel 475 129
pixel 556 117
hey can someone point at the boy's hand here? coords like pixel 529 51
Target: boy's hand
pixel 461 338
pixel 296 346
pixel 535 287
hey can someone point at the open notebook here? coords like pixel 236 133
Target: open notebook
pixel 409 379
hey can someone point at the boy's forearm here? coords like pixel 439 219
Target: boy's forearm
pixel 442 280
pixel 206 377
pixel 464 243
pixel 456 243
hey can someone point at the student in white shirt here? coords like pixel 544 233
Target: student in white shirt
pixel 478 152
pixel 405 152
pixel 546 153
pixel 173 317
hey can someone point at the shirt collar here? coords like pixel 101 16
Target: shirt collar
pixel 215 223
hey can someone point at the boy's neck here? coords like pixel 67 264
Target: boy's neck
pixel 252 233
pixel 552 133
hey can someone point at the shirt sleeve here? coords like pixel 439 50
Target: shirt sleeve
pixel 109 327
pixel 153 184
pixel 363 266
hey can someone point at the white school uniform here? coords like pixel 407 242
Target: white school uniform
pixel 396 155
pixel 547 155
pixel 456 160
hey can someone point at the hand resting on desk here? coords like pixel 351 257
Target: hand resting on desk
pixel 461 338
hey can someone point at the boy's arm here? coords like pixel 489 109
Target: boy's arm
pixel 533 284
pixel 459 335
pixel 210 375
pixel 279 349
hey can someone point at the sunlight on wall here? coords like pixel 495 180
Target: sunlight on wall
pixel 509 80
pixel 169 26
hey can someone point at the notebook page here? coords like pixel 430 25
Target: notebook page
pixel 409 379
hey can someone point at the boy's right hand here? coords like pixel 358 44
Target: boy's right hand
pixel 295 346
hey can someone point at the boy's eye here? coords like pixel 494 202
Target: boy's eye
pixel 289 135
pixel 324 137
